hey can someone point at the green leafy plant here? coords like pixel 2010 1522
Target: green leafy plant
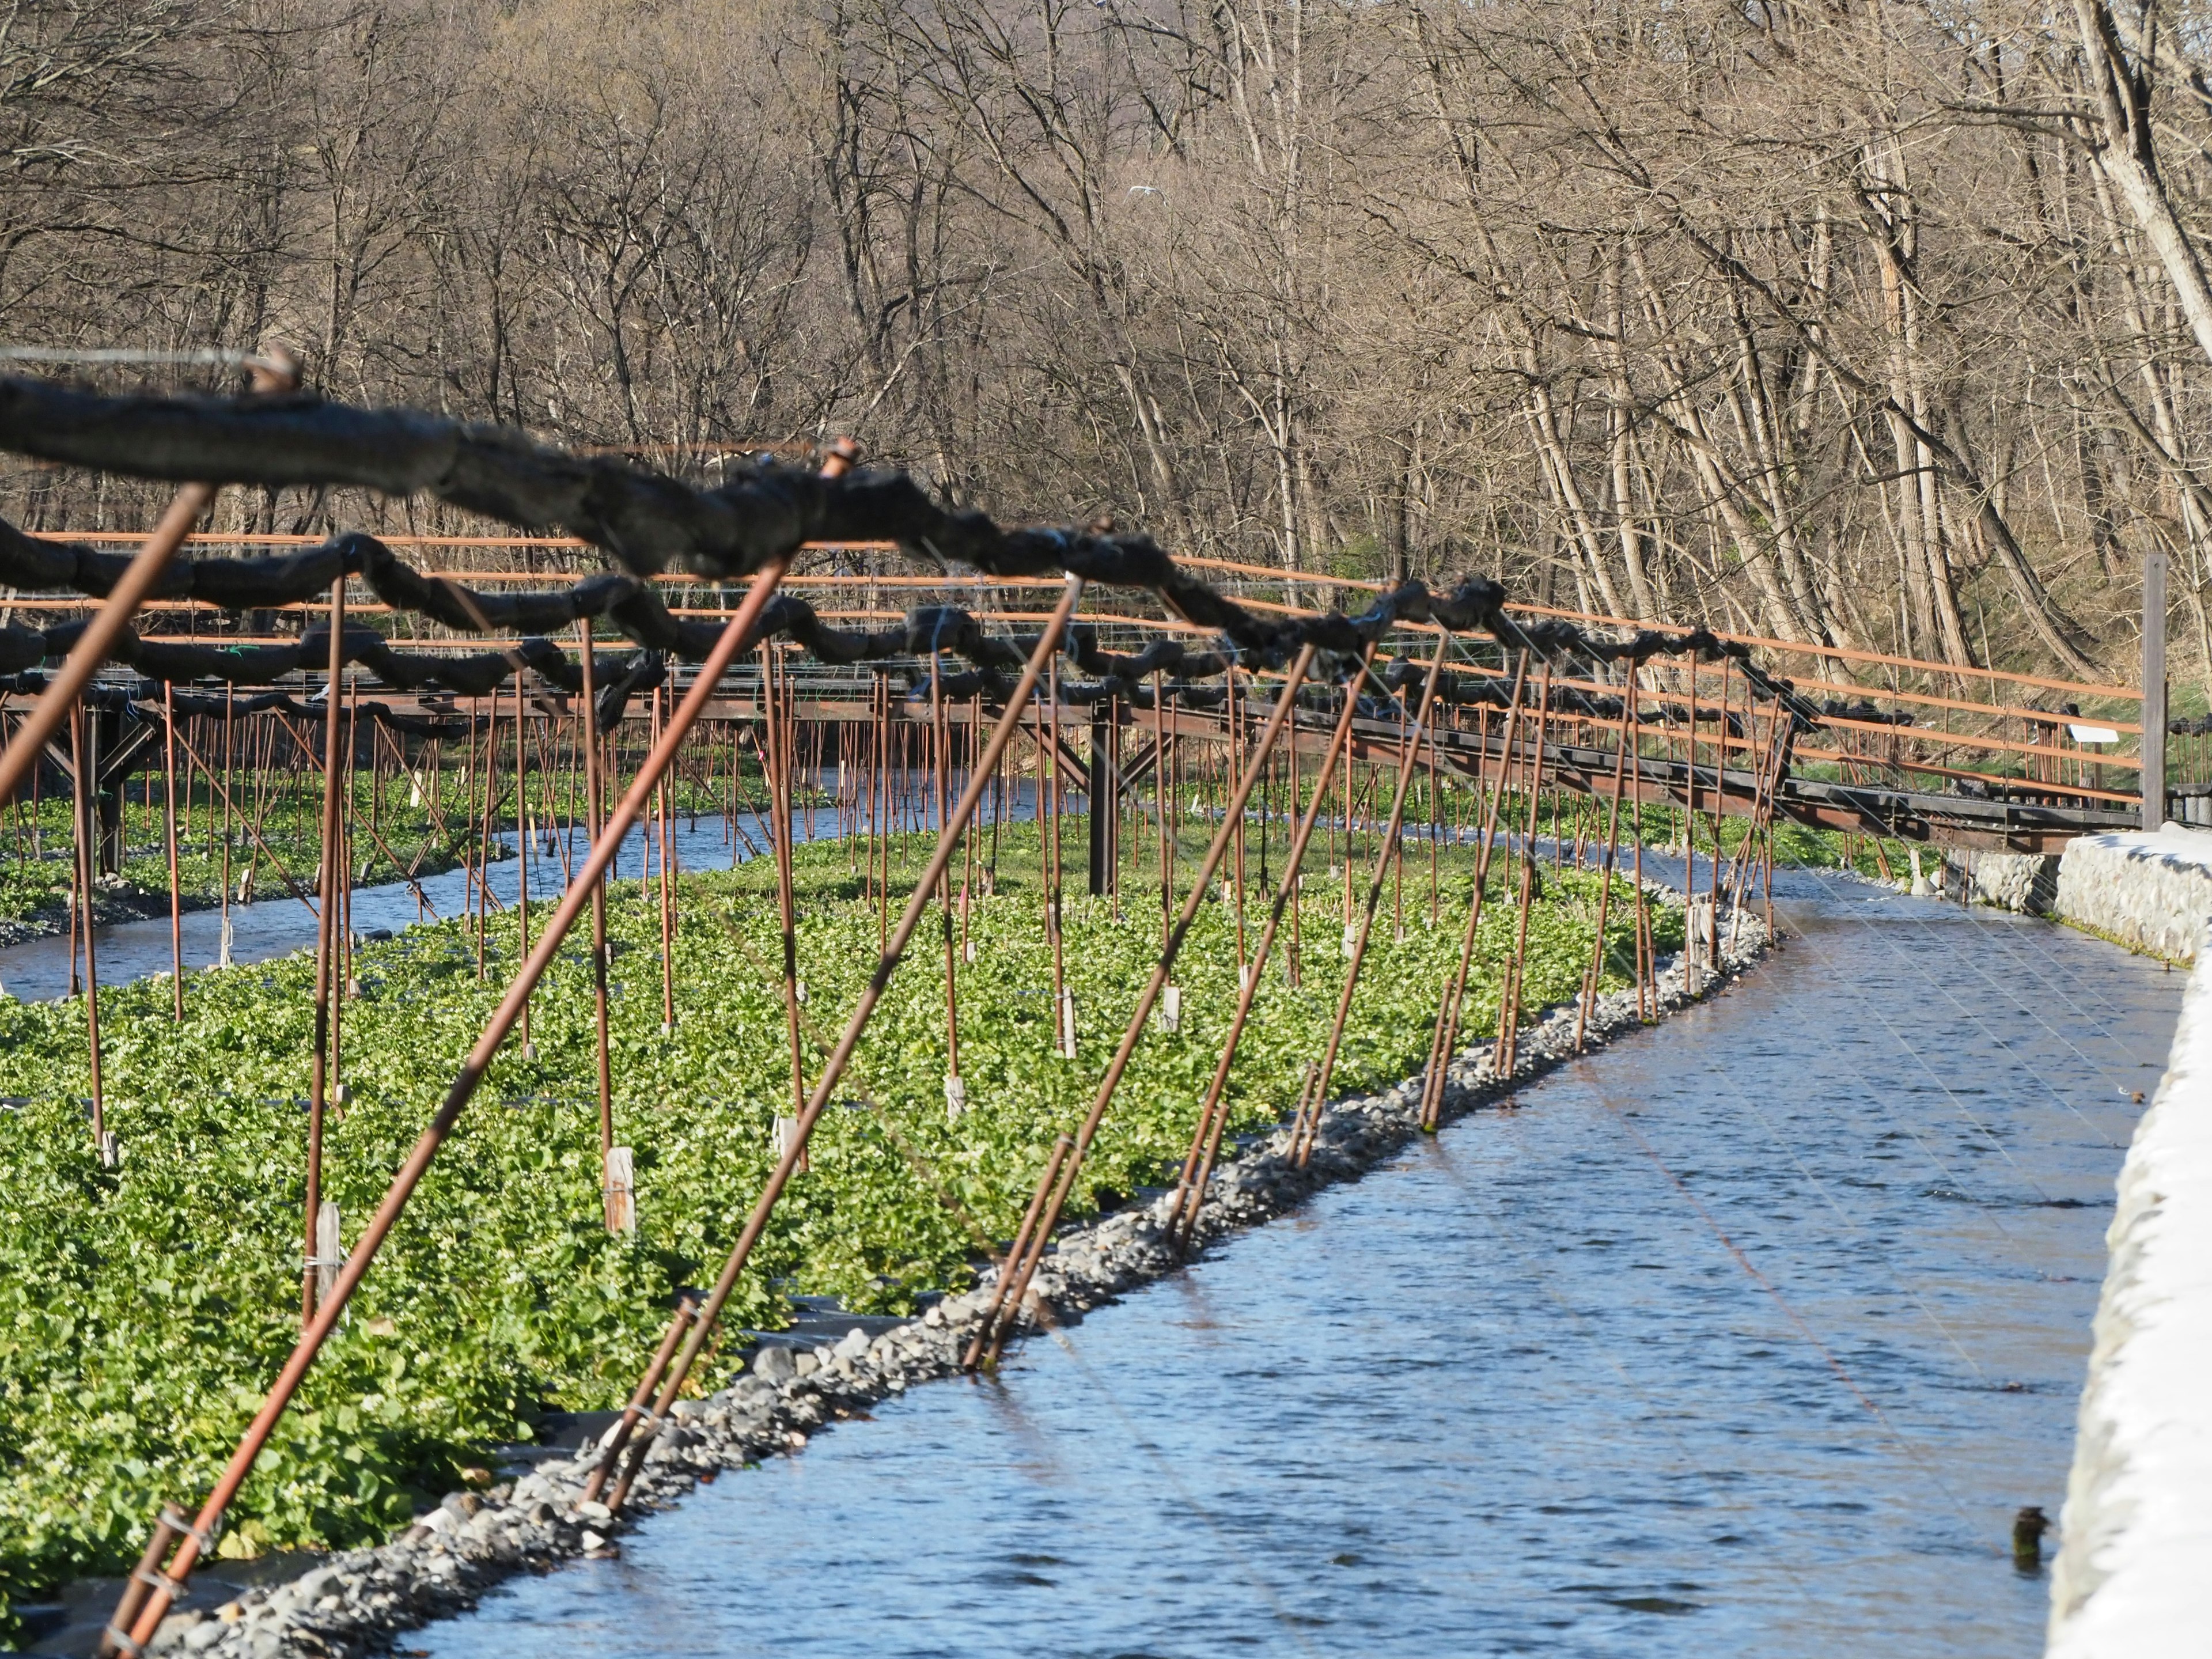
pixel 144 1309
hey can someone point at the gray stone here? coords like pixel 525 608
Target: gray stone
pixel 172 1629
pixel 774 1366
pixel 2023 881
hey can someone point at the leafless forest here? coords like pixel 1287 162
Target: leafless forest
pixel 1855 322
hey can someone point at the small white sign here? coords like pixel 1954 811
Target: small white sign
pixel 2093 733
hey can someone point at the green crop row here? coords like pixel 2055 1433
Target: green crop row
pixel 144 1309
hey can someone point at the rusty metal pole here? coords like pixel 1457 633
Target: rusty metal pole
pixel 326 919
pixel 149 1615
pixel 687 1310
pixel 1720 805
pixel 594 786
pixel 1605 887
pixel 82 802
pixel 833 1070
pixel 1291 964
pixel 1061 1146
pixel 93 646
pixel 1051 850
pixel 229 759
pixel 1636 839
pixel 1382 860
pixel 484 831
pixel 1765 782
pixel 880 805
pixel 1509 1003
pixel 1445 1039
pixel 274 372
pixel 346 986
pixel 1160 808
pixel 778 785
pixel 522 848
pixel 1213 1112
pixel 1436 832
pixel 941 743
pixel 169 835
pixel 664 800
pixel 985 1347
pixel 1235 712
pixel 1690 791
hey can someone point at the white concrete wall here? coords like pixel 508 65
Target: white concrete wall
pixel 2133 1579
pixel 2151 891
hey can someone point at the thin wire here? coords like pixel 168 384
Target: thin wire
pixel 1907 1046
pixel 2011 937
pixel 2035 1071
pixel 1888 1261
pixel 1982 1209
pixel 1167 1473
pixel 2053 987
pixel 1750 1268
pixel 1689 1462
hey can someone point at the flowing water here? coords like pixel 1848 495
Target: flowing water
pixel 1747 1336
pixel 38 970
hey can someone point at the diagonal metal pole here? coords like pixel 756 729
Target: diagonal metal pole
pixel 833 1071
pixel 1446 1038
pixel 1013 1280
pixel 1205 1139
pixel 1387 845
pixel 274 372
pixel 1605 884
pixel 775 778
pixel 156 1603
pixel 100 634
pixel 1509 1000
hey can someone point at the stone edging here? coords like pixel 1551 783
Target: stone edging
pixel 355 1602
pixel 2149 891
pixel 2130 1575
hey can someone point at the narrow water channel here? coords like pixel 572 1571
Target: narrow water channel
pixel 38 970
pixel 1746 1337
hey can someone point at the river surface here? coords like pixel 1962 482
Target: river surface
pixel 37 970
pixel 1746 1337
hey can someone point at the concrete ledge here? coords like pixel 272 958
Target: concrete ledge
pixel 2150 891
pixel 2133 1579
